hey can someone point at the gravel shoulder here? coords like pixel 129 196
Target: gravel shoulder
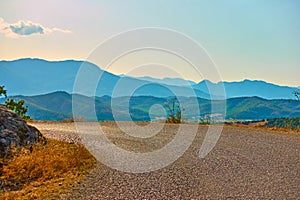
pixel 246 163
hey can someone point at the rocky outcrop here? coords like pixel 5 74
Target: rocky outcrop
pixel 15 131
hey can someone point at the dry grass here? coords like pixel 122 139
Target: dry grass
pixel 284 130
pixel 46 172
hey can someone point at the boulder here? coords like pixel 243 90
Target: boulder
pixel 15 131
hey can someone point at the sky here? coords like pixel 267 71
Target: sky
pixel 249 39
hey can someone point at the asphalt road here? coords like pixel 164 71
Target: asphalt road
pixel 246 163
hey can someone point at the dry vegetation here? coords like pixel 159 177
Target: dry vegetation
pixel 46 172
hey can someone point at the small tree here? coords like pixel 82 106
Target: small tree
pixel 174 114
pixel 17 107
pixel 3 91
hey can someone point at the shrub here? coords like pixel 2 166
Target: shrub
pixel 174 111
pixel 18 107
pixel 286 123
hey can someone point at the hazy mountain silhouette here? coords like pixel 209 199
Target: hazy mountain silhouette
pixel 36 76
pixel 249 88
pixel 168 81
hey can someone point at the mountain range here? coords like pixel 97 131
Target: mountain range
pixel 248 88
pixel 36 76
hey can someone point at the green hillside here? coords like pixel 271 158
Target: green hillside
pixel 58 106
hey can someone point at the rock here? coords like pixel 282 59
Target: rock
pixel 15 131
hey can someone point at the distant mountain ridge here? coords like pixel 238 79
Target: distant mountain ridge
pixel 168 81
pixel 36 76
pixel 249 88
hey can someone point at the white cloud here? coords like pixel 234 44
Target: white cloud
pixel 23 29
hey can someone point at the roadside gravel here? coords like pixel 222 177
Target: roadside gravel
pixel 246 163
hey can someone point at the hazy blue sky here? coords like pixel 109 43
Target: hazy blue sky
pixel 253 39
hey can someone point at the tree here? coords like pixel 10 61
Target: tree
pixel 3 91
pixel 174 111
pixel 17 107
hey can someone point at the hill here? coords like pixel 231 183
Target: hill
pixel 58 106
